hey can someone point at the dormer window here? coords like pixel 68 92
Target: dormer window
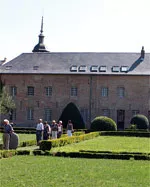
pixel 8 67
pixel 82 68
pixel 124 68
pixel 115 69
pixel 102 68
pixel 35 67
pixel 73 68
pixel 94 68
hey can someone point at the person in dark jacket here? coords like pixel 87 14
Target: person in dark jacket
pixel 47 131
pixel 7 133
pixel 69 128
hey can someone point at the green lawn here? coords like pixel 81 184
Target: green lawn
pixel 110 143
pixel 22 137
pixel 45 171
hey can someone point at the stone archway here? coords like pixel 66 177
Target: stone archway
pixel 72 113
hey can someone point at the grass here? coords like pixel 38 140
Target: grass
pixel 43 171
pixel 22 137
pixel 110 143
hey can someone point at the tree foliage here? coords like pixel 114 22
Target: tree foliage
pixel 72 113
pixel 6 102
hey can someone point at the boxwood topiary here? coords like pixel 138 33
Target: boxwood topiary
pixel 103 123
pixel 140 121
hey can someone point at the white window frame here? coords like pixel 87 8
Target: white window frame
pixel 104 91
pixel 106 112
pixel 13 90
pixel 74 91
pixel 48 114
pixel 48 90
pixel 135 112
pixel 121 92
pixel 30 113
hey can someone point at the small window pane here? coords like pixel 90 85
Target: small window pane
pixel 85 114
pixel 30 90
pixel 115 69
pixel 104 92
pixel 102 68
pixel 134 112
pixel 74 91
pixel 48 91
pixel 47 114
pixel 106 112
pixel 13 90
pixel 121 92
pixel 30 113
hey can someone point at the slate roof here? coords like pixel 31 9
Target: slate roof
pixel 81 63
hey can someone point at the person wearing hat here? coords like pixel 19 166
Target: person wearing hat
pixel 7 133
pixel 54 129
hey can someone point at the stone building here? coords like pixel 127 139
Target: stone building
pixel 43 83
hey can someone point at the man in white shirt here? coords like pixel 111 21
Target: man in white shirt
pixel 39 131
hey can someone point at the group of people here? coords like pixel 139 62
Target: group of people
pixel 44 131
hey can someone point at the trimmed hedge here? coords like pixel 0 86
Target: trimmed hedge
pixel 48 144
pixel 140 121
pixel 125 133
pixel 103 123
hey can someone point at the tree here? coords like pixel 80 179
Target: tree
pixel 72 113
pixel 7 104
pixel 103 123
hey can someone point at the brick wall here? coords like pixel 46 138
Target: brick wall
pixel 137 95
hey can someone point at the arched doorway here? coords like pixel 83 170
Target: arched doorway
pixel 72 113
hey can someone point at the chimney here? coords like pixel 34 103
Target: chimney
pixel 3 61
pixel 142 53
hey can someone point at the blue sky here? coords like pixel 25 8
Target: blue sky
pixel 74 25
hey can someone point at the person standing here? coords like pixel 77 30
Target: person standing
pixel 7 133
pixel 69 128
pixel 47 131
pixel 60 129
pixel 54 128
pixel 39 131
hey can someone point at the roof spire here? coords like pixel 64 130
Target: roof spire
pixel 42 25
pixel 40 47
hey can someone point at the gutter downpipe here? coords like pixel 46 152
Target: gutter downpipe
pixel 90 99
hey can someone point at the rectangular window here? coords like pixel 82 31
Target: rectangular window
pixel 47 114
pixel 134 112
pixel 104 92
pixel 121 92
pixel 74 91
pixel 85 114
pixel 30 90
pixel 13 90
pixel 12 115
pixel 48 91
pixel 30 114
pixel 106 112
